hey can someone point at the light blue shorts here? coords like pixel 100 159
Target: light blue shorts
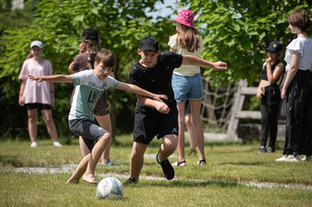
pixel 187 87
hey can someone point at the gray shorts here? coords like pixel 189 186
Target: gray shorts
pixel 89 131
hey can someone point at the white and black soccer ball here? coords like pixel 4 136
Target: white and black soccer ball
pixel 110 188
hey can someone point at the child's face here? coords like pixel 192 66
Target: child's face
pixel 272 55
pixel 148 58
pixel 101 71
pixel 294 29
pixel 36 51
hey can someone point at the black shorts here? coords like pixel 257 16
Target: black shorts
pixel 146 127
pixel 38 105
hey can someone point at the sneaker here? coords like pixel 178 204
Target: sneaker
pixel 270 149
pixel 33 144
pixel 167 168
pixel 57 144
pixel 130 181
pixel 262 149
pixel 289 158
pixel 110 163
pixel 307 158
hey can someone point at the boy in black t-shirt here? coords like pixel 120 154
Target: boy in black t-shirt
pixel 153 73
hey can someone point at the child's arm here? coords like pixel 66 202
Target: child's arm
pixel 53 78
pixel 137 90
pixel 193 60
pixel 159 106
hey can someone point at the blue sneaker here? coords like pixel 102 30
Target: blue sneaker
pixel 110 163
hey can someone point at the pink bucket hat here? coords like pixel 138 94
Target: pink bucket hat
pixel 186 18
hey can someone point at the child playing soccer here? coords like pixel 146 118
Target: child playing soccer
pixel 153 72
pixel 90 85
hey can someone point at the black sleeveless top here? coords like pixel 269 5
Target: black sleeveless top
pixel 264 71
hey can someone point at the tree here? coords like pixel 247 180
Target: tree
pixel 238 32
pixel 58 24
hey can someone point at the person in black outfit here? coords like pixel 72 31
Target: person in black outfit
pixel 270 95
pixel 153 72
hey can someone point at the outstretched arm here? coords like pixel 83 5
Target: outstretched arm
pixel 53 78
pixel 193 60
pixel 137 90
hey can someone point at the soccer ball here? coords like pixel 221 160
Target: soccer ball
pixel 110 188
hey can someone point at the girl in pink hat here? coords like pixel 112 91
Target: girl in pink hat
pixel 186 82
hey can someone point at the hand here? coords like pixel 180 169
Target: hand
pixel 82 48
pixel 220 66
pixel 259 93
pixel 162 107
pixel 34 78
pixel 283 93
pixel 268 60
pixel 159 97
pixel 21 101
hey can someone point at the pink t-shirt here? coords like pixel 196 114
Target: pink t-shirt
pixel 36 92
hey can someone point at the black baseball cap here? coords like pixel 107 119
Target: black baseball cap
pixel 90 34
pixel 275 46
pixel 149 43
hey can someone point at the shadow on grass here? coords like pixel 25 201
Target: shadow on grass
pixel 11 161
pixel 186 183
pixel 242 163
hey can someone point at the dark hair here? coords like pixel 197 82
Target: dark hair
pixel 91 44
pixel 106 57
pixel 300 19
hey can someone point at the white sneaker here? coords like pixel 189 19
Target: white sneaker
pixel 307 158
pixel 57 144
pixel 33 144
pixel 289 158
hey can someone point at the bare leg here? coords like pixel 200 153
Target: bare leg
pixel 32 124
pixel 195 109
pixel 83 147
pixel 190 129
pixel 168 146
pixel 181 137
pixel 87 165
pixel 105 123
pixel 137 158
pixel 48 119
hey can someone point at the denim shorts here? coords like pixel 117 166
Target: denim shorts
pixel 187 87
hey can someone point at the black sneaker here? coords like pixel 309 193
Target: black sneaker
pixel 167 168
pixel 130 181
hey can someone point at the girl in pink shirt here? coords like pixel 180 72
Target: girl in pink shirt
pixel 36 95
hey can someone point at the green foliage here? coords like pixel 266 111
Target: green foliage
pixel 238 32
pixel 59 24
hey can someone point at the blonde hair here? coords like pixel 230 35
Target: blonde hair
pixel 188 38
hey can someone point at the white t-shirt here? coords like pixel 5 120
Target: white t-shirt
pixel 185 70
pixel 89 88
pixel 304 47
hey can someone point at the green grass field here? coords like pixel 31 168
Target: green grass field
pixel 235 175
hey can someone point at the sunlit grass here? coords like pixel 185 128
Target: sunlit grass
pixel 225 181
